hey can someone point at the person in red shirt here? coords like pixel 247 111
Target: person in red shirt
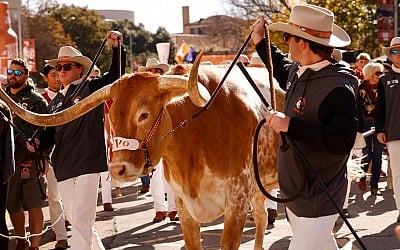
pixel 50 76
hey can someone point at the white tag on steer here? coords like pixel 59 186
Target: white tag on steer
pixel 120 143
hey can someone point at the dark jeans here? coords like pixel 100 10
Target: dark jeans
pixel 3 224
pixel 373 150
pixel 145 180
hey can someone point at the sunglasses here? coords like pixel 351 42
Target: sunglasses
pixel 378 73
pixel 395 52
pixel 286 37
pixel 15 72
pixel 65 67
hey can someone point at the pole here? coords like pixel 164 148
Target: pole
pixel 21 53
pixel 396 18
pixel 131 52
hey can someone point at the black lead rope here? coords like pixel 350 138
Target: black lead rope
pixel 103 44
pixel 299 153
pixel 217 89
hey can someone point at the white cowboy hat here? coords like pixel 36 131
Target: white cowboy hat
pixel 70 54
pixel 395 43
pixel 315 24
pixel 153 63
pixel 256 61
pixel 337 55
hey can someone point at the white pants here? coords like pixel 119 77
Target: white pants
pixel 312 233
pixel 394 149
pixel 346 200
pixel 55 206
pixel 79 195
pixel 105 179
pixel 270 203
pixel 158 187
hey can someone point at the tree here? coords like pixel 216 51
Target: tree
pixel 53 25
pixel 162 36
pixel 86 28
pixel 48 34
pixel 143 42
pixel 358 18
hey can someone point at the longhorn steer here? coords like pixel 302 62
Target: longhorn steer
pixel 208 162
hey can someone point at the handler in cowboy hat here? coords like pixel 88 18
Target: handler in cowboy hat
pixel 77 166
pixel 387 113
pixel 154 66
pixel 319 116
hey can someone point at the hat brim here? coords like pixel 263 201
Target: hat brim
pixel 82 60
pixel 338 38
pixel 163 67
pixel 386 50
pixel 257 65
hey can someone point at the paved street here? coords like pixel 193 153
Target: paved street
pixel 130 225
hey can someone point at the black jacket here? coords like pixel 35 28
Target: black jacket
pixel 387 111
pixel 32 101
pixel 322 107
pixel 7 163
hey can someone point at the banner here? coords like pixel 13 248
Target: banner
pixel 183 50
pixel 28 48
pixel 385 17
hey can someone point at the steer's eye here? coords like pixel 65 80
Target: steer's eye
pixel 143 116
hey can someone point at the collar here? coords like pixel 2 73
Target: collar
pixel 65 89
pixel 395 69
pixel 314 67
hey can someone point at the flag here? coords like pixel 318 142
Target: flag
pixel 191 55
pixel 183 50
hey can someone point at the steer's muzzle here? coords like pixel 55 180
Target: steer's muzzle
pixel 124 171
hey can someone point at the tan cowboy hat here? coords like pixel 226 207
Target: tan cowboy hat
pixel 315 24
pixel 70 54
pixel 395 43
pixel 153 63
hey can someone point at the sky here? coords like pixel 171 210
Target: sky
pixel 155 13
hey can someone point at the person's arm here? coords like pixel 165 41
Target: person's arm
pixel 118 63
pixel 280 61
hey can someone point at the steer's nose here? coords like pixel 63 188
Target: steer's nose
pixel 118 172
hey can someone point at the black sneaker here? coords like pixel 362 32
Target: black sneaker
pixel 272 214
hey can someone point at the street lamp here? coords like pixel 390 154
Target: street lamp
pixel 131 51
pixel 396 17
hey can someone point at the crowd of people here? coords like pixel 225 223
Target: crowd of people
pixel 327 102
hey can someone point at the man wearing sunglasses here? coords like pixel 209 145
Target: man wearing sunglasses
pixel 79 154
pixel 387 113
pixel 24 190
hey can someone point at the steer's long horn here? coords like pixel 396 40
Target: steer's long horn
pixel 198 98
pixel 63 117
